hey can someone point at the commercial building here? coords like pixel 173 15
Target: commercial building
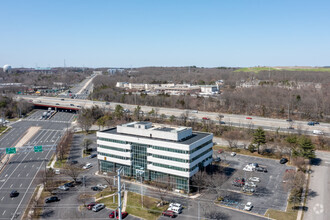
pixel 166 154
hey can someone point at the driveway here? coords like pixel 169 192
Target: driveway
pixel 318 202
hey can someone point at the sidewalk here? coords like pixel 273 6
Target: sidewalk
pixel 152 187
pixel 300 211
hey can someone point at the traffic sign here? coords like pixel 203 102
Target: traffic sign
pixel 10 150
pixel 37 148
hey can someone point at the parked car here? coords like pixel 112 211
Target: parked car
pixel 98 207
pixel 102 186
pixel 251 184
pixel 248 206
pixel 73 162
pixel 289 120
pixel 123 215
pixel 254 165
pixel 283 161
pixel 14 193
pixel 217 159
pixel 71 104
pixel 95 188
pixel 52 199
pixel 206 118
pixel 222 122
pixel 70 184
pixel 254 179
pixel 93 155
pixel 261 169
pixel 248 118
pixel 64 188
pixel 220 151
pixel 248 189
pixel 248 168
pixel 169 213
pixel 87 166
pixel 175 209
pixel 112 214
pixel 238 182
pixel 233 154
pixel 175 205
pixel 91 205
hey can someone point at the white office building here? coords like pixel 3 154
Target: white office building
pixel 162 153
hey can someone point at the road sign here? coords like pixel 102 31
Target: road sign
pixel 11 150
pixel 37 148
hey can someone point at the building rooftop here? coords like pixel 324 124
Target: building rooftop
pixel 195 136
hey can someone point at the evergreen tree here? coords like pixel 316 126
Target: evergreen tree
pixel 259 137
pixel 305 148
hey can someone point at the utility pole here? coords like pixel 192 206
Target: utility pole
pixel 119 193
pixel 289 111
pixel 199 217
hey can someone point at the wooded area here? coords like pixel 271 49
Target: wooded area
pixel 305 94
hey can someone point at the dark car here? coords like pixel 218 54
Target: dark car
pixel 93 155
pixel 238 182
pixel 222 122
pixel 283 161
pixel 14 193
pixel 169 213
pixel 70 184
pixel 95 188
pixel 73 162
pixel 261 169
pixel 311 123
pixel 52 199
pixel 289 120
pixel 91 205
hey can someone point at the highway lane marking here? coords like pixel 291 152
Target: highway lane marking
pixel 28 186
pixel 20 185
pixel 2 198
pixel 18 175
pixel 33 165
pixel 24 165
pixel 27 174
pixel 4 212
pixel 11 186
pixel 33 140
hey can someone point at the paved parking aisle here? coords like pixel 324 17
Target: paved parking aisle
pixel 270 191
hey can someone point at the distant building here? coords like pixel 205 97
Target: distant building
pixel 159 153
pixel 113 71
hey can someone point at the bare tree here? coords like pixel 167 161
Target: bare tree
pixel 73 171
pixel 231 137
pixel 87 142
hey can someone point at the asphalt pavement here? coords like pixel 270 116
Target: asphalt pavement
pixel 21 171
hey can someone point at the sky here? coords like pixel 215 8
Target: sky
pixel 136 33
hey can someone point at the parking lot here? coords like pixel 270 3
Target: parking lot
pixel 270 192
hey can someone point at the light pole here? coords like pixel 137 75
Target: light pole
pixel 140 172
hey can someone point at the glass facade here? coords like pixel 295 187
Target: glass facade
pixel 139 163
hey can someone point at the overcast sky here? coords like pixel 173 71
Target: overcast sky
pixel 119 33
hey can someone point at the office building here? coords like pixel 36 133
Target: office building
pixel 159 153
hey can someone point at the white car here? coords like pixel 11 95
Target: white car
pixel 102 186
pixel 98 207
pixel 87 166
pixel 175 209
pixel 248 206
pixel 233 154
pixel 254 179
pixel 175 204
pixel 317 132
pixel 248 168
pixel 251 184
pixel 63 188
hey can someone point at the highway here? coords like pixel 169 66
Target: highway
pixel 21 171
pixel 229 119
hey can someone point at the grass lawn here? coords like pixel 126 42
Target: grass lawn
pixel 150 211
pixel 279 215
pixel 2 128
pixel 243 151
pixel 60 163
pixel 105 192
